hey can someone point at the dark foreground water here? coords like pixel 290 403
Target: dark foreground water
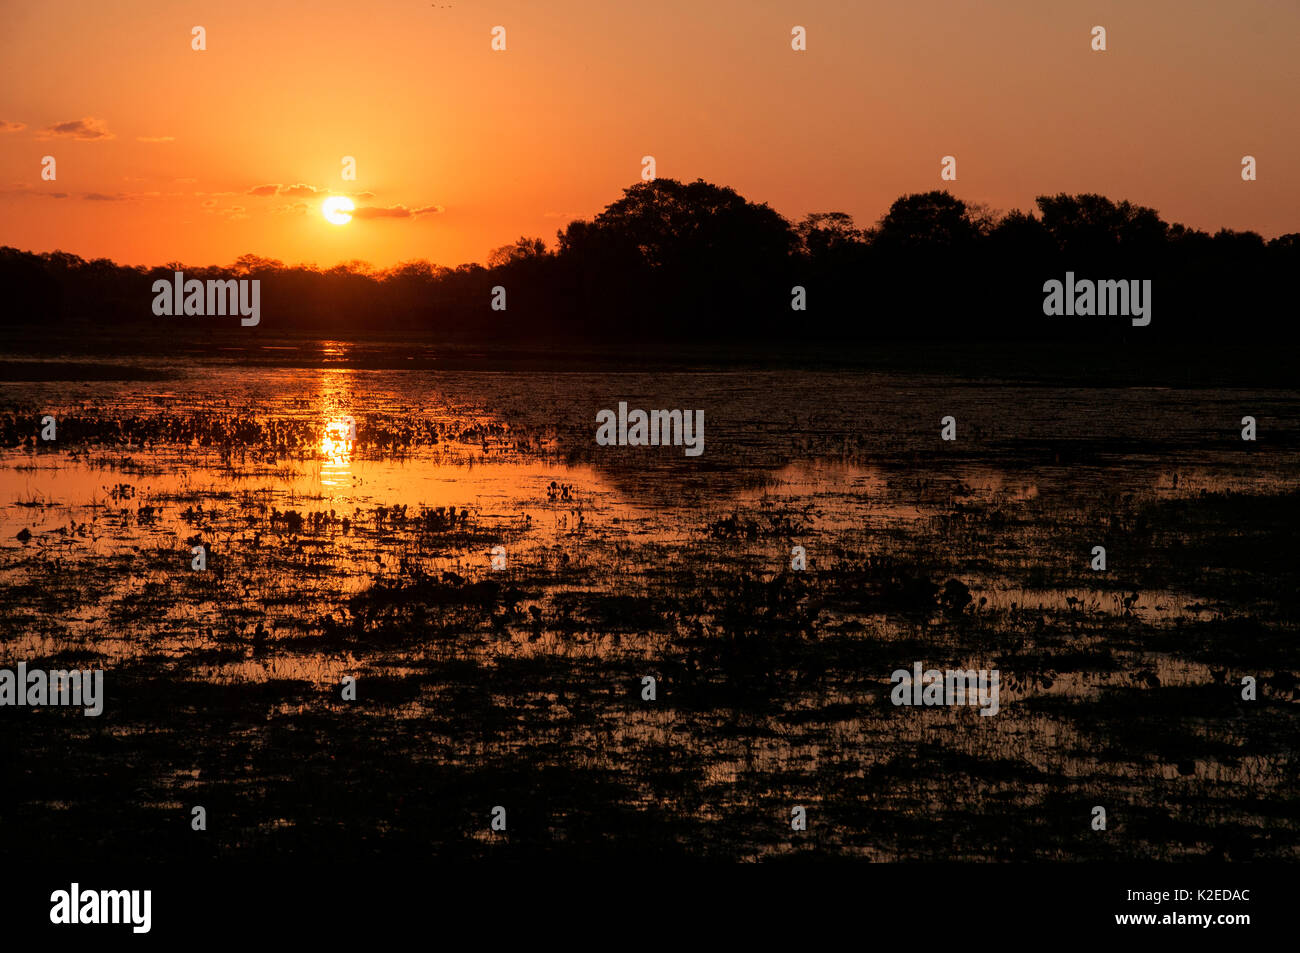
pixel 329 555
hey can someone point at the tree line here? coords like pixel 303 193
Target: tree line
pixel 681 262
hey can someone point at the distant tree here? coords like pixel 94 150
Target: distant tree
pixel 250 264
pixel 678 262
pixel 933 220
pixel 417 271
pixel 63 261
pixel 1240 241
pixel 982 218
pixel 1092 225
pixel 1018 233
pixel 823 233
pixel 693 254
pixel 521 250
pixel 674 224
pixel 353 266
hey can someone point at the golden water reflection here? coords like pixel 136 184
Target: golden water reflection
pixel 340 431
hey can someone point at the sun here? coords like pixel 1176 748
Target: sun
pixel 336 209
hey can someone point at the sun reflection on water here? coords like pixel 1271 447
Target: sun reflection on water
pixel 336 447
pixel 337 442
pixel 340 433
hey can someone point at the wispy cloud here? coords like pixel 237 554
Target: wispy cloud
pixel 234 213
pixel 395 211
pixel 299 190
pixel 379 211
pixel 8 126
pixel 26 189
pixel 89 129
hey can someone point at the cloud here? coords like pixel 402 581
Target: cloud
pixel 394 211
pixel 234 213
pixel 25 189
pixel 379 211
pixel 155 138
pixel 299 190
pixel 7 126
pixel 372 211
pixel 77 129
pixel 28 190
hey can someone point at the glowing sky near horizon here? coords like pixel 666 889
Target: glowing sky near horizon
pixel 186 148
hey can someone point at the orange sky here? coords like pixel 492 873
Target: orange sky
pixel 516 143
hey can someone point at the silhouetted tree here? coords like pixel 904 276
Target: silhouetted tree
pixel 824 234
pixel 521 250
pixel 1093 229
pixel 673 262
pixel 679 251
pixel 927 220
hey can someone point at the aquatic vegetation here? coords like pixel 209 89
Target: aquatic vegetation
pixel 373 557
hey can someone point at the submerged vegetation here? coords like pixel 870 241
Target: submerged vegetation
pixel 524 685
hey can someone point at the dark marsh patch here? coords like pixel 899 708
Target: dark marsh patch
pixel 523 687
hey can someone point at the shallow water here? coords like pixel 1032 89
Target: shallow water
pixel 479 686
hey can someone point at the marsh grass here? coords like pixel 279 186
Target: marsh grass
pixel 523 687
